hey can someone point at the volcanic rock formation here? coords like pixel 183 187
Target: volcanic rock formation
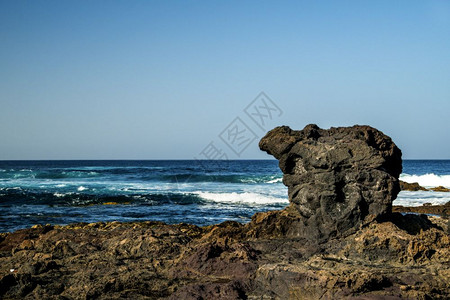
pixel 337 179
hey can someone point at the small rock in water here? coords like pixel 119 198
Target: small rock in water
pixel 440 189
pixel 414 186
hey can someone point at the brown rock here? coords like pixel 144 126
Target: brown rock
pixel 440 189
pixel 405 186
pixel 156 261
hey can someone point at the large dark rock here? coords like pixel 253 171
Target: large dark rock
pixel 337 179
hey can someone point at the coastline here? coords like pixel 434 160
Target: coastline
pixel 65 192
pixel 436 210
pixel 403 256
pixel 337 239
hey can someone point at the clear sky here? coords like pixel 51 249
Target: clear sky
pixel 163 79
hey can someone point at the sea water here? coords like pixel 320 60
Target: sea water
pixel 196 192
pixel 427 173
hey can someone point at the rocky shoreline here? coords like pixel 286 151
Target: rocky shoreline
pixel 427 208
pixel 404 257
pixel 338 239
pixel 438 210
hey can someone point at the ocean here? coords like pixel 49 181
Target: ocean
pixel 176 191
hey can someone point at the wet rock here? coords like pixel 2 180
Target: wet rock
pixel 441 210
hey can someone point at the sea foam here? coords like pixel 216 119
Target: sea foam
pixel 276 180
pixel 427 180
pixel 419 198
pixel 241 198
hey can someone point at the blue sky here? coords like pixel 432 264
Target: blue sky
pixel 162 79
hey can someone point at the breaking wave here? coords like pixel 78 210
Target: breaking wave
pixel 245 197
pixel 427 180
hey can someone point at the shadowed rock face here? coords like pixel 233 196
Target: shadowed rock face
pixel 337 179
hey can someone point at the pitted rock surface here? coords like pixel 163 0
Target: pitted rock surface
pixel 337 179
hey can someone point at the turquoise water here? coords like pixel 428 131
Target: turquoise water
pixel 202 193
pixel 197 192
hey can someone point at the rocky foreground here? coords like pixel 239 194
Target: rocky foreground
pixel 338 239
pixel 408 258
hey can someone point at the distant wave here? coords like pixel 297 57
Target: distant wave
pixel 427 180
pixel 116 168
pixel 136 174
pixel 228 178
pixel 19 196
pixel 241 198
pixel 65 174
pixel 420 197
pixel 53 174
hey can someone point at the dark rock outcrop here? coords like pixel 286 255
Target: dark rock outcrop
pixel 337 179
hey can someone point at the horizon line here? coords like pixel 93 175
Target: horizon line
pixel 173 159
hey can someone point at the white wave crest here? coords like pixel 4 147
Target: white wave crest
pixel 427 180
pixel 59 195
pixel 81 188
pixel 241 198
pixel 276 180
pixel 421 197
